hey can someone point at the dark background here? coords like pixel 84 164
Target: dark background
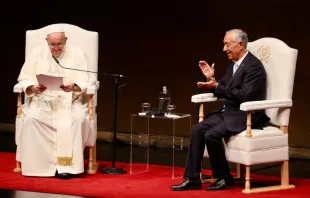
pixel 157 43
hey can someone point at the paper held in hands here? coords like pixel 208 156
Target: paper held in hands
pixel 52 83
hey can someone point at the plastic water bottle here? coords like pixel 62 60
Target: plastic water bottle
pixel 164 100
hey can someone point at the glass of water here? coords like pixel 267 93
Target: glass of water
pixel 170 109
pixel 146 107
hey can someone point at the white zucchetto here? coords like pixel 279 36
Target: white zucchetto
pixel 53 29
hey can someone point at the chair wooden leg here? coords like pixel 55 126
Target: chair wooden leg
pixel 201 113
pixel 247 188
pixel 284 181
pixel 18 167
pixel 240 173
pixel 284 174
pixel 207 181
pixel 92 163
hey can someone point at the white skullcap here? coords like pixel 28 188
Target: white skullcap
pixel 53 29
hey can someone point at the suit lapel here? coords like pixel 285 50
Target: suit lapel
pixel 230 72
pixel 240 69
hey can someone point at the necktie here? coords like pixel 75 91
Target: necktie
pixel 235 68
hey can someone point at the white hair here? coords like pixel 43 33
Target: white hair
pixel 240 36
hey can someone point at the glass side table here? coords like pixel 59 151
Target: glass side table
pixel 143 130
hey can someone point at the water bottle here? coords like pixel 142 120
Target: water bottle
pixel 164 100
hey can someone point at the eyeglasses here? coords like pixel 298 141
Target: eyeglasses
pixel 59 45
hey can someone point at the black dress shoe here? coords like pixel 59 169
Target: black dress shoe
pixel 221 184
pixel 64 176
pixel 188 184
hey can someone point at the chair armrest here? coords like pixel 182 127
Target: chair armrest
pixel 205 97
pixel 92 89
pixel 265 104
pixel 18 88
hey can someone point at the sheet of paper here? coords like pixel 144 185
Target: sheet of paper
pixel 52 83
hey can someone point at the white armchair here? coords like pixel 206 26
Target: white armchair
pixel 87 41
pixel 253 146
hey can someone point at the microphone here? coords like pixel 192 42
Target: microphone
pixel 115 75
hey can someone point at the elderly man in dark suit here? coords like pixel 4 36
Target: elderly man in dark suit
pixel 245 80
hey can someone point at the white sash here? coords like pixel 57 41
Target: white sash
pixel 63 126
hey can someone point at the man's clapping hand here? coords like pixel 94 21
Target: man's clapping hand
pixel 211 84
pixel 207 71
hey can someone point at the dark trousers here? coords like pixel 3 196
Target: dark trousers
pixel 210 133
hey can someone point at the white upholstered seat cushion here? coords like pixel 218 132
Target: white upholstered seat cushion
pixel 268 145
pixel 205 97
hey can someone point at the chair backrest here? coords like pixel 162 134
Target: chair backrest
pixel 88 41
pixel 280 64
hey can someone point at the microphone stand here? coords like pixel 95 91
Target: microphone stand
pixel 113 169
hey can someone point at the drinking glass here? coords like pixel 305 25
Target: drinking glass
pixel 146 107
pixel 170 109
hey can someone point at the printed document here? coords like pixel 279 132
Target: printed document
pixel 52 83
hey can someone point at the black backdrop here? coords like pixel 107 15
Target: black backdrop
pixel 159 43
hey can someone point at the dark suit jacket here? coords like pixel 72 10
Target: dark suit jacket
pixel 247 84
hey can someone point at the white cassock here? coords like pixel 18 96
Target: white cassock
pixel 54 126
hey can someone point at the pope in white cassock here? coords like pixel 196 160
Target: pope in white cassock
pixel 55 124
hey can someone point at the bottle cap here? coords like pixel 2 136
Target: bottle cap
pixel 164 89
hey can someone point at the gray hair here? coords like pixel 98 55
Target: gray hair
pixel 240 36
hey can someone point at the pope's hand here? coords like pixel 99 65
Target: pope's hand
pixel 38 89
pixel 67 88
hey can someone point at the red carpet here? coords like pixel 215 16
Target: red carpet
pixel 154 183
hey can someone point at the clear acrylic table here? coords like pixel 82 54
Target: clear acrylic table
pixel 144 129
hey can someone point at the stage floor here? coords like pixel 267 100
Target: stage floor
pixel 299 168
